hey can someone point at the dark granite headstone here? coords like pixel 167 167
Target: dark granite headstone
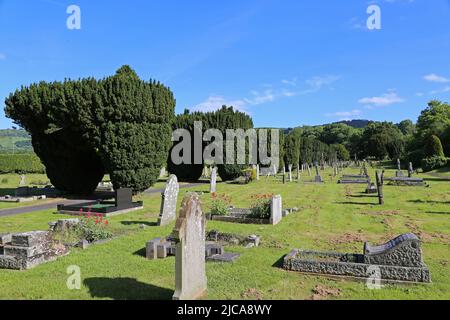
pixel 124 198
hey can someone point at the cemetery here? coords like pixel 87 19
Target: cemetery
pixel 165 223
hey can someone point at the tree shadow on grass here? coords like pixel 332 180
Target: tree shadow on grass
pixel 429 201
pixel 125 289
pixel 145 223
pixel 357 203
pixel 363 195
pixel 437 212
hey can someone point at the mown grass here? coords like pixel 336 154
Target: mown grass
pixel 332 217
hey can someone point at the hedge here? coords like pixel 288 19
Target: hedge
pixel 20 163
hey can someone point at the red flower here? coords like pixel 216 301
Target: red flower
pixel 106 222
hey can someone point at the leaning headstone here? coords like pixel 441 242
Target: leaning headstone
pixel 189 234
pixel 169 202
pixel 213 183
pixel 276 209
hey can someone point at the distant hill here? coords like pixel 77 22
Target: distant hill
pixel 16 141
pixel 359 124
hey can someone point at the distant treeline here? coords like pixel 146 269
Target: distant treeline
pixel 20 163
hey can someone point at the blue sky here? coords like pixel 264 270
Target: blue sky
pixel 285 62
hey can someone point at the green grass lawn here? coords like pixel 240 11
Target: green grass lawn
pixel 332 217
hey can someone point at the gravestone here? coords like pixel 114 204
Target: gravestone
pixel 22 181
pixel 257 172
pixel 399 172
pixel 410 170
pixel 309 170
pixel 169 202
pixel 318 178
pixel 290 173
pixel 213 183
pixel 276 210
pixel 189 235
pixel 379 181
pixel 124 198
pixel 275 170
pixel 298 174
pixel 162 173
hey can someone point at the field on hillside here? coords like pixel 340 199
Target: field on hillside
pixel 332 217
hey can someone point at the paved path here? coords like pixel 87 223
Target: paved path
pixel 52 204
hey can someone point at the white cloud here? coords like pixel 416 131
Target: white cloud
pixel 215 102
pixel 381 101
pixel 260 97
pixel 268 93
pixel 345 115
pixel 436 78
pixel 444 90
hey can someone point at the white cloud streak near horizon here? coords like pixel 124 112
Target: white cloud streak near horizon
pixel 381 101
pixel 290 88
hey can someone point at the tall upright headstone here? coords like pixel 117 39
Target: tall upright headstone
pixel 213 184
pixel 318 178
pixel 290 173
pixel 169 197
pixel 410 170
pixel 189 235
pixel 276 210
pixel 379 182
pixel 399 172
pixel 257 172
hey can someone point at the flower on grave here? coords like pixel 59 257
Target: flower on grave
pixel 106 222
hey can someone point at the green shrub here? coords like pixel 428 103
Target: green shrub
pixel 433 163
pixel 20 163
pixel 433 147
pixel 5 180
pixel 120 125
pixel 260 208
pixel 220 205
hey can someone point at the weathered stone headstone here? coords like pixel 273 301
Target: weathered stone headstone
pixel 213 183
pixel 169 202
pixel 379 181
pixel 162 173
pixel 276 209
pixel 189 234
pixel 410 170
pixel 22 181
pixel 399 172
pixel 257 172
pixel 318 178
pixel 290 173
